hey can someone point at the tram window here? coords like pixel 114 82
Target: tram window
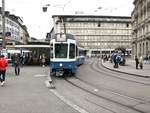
pixel 81 53
pixel 61 50
pixel 51 51
pixel 72 51
pixel 51 54
pixel 77 52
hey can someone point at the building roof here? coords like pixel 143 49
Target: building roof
pixel 91 16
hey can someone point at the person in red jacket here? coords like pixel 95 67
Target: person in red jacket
pixel 3 66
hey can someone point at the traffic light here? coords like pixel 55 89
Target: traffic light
pixel 44 9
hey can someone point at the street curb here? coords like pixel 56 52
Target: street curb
pixel 145 76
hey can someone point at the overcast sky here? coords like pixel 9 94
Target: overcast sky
pixel 39 23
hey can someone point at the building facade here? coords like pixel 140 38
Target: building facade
pixel 15 31
pixel 141 28
pixel 98 34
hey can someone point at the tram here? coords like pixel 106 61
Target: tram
pixel 31 53
pixel 65 54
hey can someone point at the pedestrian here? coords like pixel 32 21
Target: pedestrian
pixel 17 64
pixel 22 60
pixel 115 60
pixel 136 61
pixel 141 62
pixel 146 59
pixel 43 60
pixel 3 66
pixel 149 59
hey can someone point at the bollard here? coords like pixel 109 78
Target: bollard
pixel 49 82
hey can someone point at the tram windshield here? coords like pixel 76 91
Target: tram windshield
pixel 61 50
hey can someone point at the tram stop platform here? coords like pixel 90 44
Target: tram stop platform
pixel 129 68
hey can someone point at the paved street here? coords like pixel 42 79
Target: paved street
pixel 28 93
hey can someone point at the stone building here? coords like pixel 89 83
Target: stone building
pixel 98 34
pixel 141 28
pixel 15 31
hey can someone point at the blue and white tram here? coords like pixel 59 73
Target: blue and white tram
pixel 64 51
pixel 80 56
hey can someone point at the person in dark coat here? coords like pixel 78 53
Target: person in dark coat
pixel 115 60
pixel 17 63
pixel 136 62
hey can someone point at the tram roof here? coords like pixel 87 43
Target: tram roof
pixel 32 46
pixel 68 35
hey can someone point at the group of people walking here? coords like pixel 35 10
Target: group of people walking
pixel 16 63
pixel 4 64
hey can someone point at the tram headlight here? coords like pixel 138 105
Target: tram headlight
pixel 60 64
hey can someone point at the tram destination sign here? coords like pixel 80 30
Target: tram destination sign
pixel 61 38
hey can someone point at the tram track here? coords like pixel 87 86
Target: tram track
pixel 105 98
pixel 110 91
pixel 101 106
pixel 114 74
pixel 86 91
pixel 131 107
pixel 115 92
pixel 121 78
pixel 137 101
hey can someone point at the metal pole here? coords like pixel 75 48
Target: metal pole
pixel 64 26
pixel 3 23
pixel 49 82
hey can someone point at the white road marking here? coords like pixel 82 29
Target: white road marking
pixel 79 109
pixel 96 90
pixel 40 75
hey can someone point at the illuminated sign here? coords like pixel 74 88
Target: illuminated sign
pixel 61 38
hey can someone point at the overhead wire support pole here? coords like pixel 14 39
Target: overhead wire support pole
pixel 3 24
pixel 49 81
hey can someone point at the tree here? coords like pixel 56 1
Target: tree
pixel 122 49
